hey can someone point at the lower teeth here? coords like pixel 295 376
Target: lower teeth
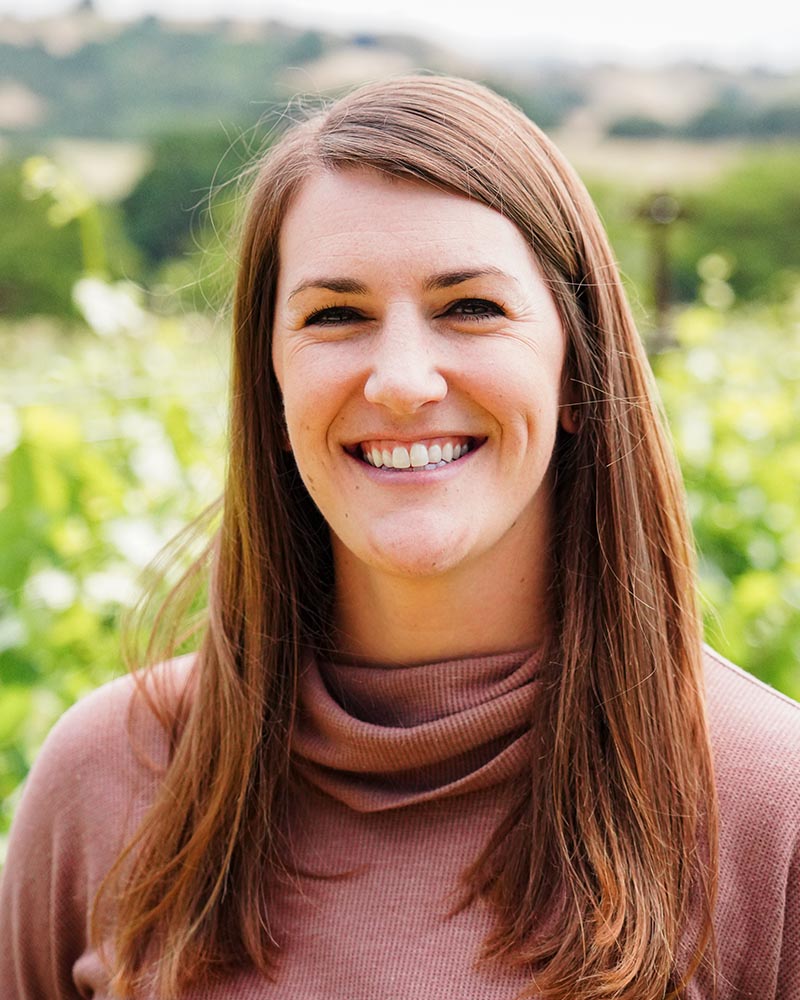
pixel 416 468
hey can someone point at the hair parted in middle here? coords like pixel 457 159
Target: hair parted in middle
pixel 608 853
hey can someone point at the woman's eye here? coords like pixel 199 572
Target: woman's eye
pixel 333 316
pixel 475 309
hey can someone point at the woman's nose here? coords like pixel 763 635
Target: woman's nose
pixel 404 375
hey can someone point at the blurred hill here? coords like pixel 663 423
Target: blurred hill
pixel 79 75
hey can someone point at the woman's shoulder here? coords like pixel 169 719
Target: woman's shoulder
pixel 744 711
pixel 90 784
pixel 755 736
pixel 116 730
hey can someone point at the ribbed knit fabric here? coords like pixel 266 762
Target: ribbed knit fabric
pixel 378 737
pixel 403 776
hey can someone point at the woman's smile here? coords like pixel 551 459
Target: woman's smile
pixel 418 349
pixel 427 455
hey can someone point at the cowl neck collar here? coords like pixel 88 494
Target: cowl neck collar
pixel 380 737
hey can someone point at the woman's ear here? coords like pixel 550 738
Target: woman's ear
pixel 569 416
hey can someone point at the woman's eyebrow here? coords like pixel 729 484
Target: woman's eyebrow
pixel 346 286
pixel 449 278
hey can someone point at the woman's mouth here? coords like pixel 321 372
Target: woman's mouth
pixel 424 455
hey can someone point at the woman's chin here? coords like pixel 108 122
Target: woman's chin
pixel 414 554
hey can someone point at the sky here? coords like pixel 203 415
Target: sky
pixel 766 32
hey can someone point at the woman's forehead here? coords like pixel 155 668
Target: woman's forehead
pixel 360 218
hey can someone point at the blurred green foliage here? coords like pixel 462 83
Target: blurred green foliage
pixel 168 208
pixel 39 263
pixel 108 446
pixel 730 388
pixel 52 233
pixel 748 215
pixel 181 215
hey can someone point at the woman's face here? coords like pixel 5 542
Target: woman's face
pixel 420 358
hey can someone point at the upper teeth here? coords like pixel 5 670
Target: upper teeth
pixel 415 456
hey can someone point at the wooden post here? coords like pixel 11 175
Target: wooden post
pixel 659 212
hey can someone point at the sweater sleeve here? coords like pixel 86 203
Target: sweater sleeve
pixel 43 897
pixel 90 785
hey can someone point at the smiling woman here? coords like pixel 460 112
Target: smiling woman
pixel 426 442
pixel 451 730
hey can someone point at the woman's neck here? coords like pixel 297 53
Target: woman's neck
pixel 393 619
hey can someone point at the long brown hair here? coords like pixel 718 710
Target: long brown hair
pixel 611 840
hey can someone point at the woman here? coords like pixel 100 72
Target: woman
pixel 450 731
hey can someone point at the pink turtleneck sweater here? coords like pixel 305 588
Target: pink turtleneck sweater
pixel 406 770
